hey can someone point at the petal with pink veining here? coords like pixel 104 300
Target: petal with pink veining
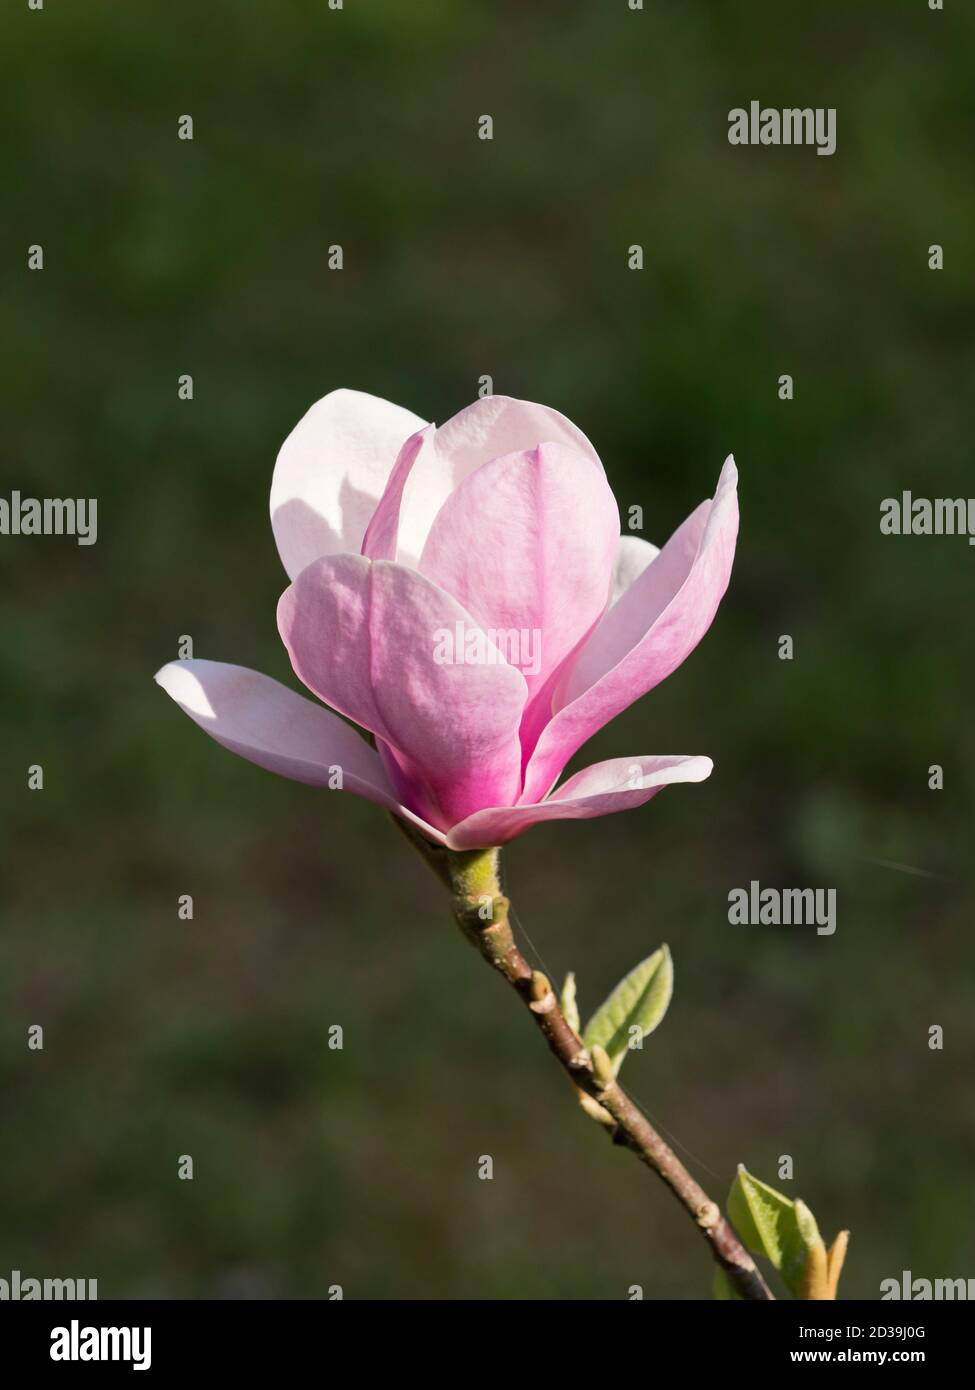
pixel 486 430
pixel 600 790
pixel 376 641
pixel 526 544
pixel 264 722
pixel 654 625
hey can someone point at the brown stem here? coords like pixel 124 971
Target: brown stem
pixel 481 910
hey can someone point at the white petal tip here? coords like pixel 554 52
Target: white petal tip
pixel 181 682
pixel 689 767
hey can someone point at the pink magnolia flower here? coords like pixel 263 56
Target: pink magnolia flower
pixel 463 593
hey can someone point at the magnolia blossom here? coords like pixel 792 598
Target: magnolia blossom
pixel 463 594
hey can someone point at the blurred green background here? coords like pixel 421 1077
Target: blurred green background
pixel 162 1037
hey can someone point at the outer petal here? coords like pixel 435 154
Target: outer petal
pixel 331 472
pixel 599 790
pixel 367 638
pixel 487 429
pixel 273 727
pixel 646 634
pixel 526 544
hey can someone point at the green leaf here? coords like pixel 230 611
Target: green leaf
pixel 785 1232
pixel 568 1002
pixel 639 1001
pixel 762 1217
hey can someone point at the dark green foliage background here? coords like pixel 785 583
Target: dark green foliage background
pixel 463 257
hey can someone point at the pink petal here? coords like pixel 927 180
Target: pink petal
pixel 599 790
pixel 489 428
pixel 380 540
pixel 367 637
pixel 273 727
pixel 526 544
pixel 331 473
pixel 646 634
